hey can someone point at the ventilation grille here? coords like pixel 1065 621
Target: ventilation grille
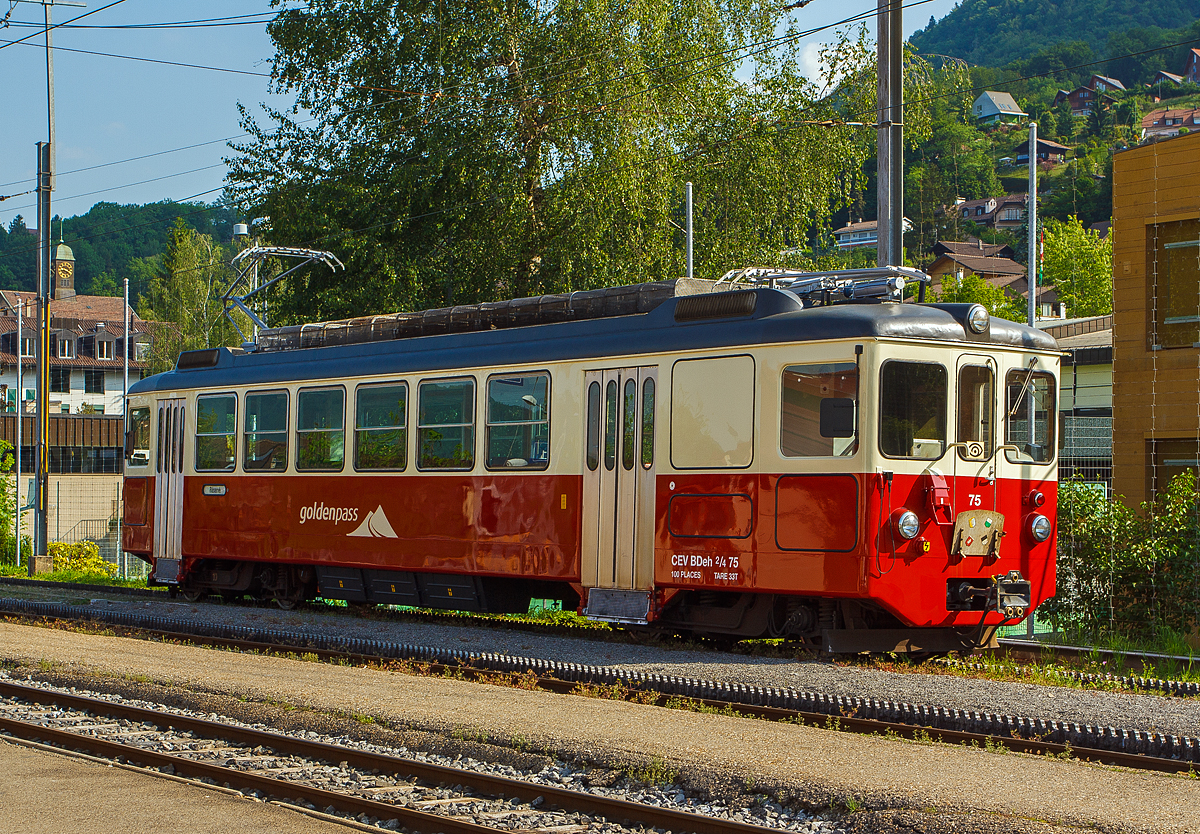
pixel 716 306
pixel 192 359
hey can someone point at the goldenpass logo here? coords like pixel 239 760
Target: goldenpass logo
pixel 319 512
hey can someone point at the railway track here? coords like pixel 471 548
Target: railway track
pixel 376 788
pixel 1108 745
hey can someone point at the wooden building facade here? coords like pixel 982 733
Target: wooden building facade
pixel 1156 315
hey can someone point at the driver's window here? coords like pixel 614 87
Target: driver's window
pixel 976 412
pixel 1031 419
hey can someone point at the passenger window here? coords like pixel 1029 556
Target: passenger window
pixel 216 433
pixel 1030 402
pixel 321 428
pixel 266 431
pixel 629 425
pixel 810 391
pixel 610 425
pixel 593 427
pixel 712 412
pixel 137 437
pixel 912 403
pixel 647 423
pixel 518 422
pixel 380 427
pixel 976 412
pixel 446 424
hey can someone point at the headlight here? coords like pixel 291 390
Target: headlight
pixel 978 318
pixel 908 525
pixel 1039 527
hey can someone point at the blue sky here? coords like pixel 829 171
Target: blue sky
pixel 113 109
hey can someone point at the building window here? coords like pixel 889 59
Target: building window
pixel 27 346
pixel 66 347
pixel 446 424
pixel 104 349
pixel 805 391
pixel 60 380
pixel 93 381
pixel 1168 458
pixel 518 422
pixel 216 433
pixel 1173 265
pixel 321 428
pixel 380 427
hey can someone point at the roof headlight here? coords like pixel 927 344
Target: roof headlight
pixel 1039 527
pixel 978 318
pixel 907 524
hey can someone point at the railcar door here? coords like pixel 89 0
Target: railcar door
pixel 618 494
pixel 168 490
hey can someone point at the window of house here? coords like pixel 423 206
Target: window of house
pixel 1031 419
pixel 27 346
pixel 1173 265
pixel 104 349
pixel 66 347
pixel 976 412
pixel 93 381
pixel 912 409
pixel 60 380
pixel 380 426
pixel 216 433
pixel 805 388
pixel 446 424
pixel 518 422
pixel 266 430
pixel 321 428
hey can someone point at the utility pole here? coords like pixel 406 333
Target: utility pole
pixel 1031 270
pixel 20 398
pixel 890 127
pixel 125 416
pixel 688 190
pixel 42 352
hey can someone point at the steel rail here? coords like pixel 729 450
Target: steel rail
pixel 493 785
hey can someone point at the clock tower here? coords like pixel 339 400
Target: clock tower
pixel 62 268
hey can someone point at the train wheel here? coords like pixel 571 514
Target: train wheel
pixel 193 594
pixel 288 603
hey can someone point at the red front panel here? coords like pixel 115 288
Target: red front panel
pixel 525 525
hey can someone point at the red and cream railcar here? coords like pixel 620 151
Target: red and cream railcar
pixel 870 475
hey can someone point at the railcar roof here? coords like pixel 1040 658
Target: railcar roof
pixel 778 317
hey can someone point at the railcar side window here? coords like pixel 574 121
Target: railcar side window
pixel 805 387
pixel 446 424
pixel 137 437
pixel 712 412
pixel 912 407
pixel 518 422
pixel 647 423
pixel 976 412
pixel 629 425
pixel 610 425
pixel 380 427
pixel 266 431
pixel 321 428
pixel 593 427
pixel 216 433
pixel 1030 398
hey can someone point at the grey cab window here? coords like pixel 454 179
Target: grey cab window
pixel 380 426
pixel 912 410
pixel 818 410
pixel 1030 422
pixel 137 437
pixel 320 429
pixel 446 424
pixel 266 431
pixel 216 432
pixel 518 422
pixel 976 412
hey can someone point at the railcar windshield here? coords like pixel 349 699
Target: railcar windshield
pixel 1029 426
pixel 912 404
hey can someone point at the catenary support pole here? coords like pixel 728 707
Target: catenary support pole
pixel 1031 269
pixel 42 463
pixel 690 272
pixel 19 397
pixel 125 415
pixel 890 176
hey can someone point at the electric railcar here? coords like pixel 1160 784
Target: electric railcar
pixel 788 459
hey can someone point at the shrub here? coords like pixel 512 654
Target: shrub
pixel 80 557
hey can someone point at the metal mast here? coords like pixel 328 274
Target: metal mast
pixel 1031 215
pixel 890 128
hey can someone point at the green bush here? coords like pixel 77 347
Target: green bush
pixel 1123 573
pixel 80 557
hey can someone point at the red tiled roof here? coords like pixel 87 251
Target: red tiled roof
pixel 104 308
pixel 985 265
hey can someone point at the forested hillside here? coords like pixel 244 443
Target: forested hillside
pixel 110 242
pixel 997 32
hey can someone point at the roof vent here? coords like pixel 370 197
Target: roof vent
pixel 719 305
pixel 190 360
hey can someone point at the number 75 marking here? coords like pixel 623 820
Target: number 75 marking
pixel 975 500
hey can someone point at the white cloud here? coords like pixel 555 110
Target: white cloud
pixel 810 64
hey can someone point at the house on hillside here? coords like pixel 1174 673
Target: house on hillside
pixel 1167 122
pixel 862 233
pixel 996 108
pixel 1085 400
pixel 1083 99
pixel 1191 67
pixel 993 263
pixel 1047 151
pixel 1007 212
pixel 1164 77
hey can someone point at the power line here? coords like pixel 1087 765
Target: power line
pixel 53 26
